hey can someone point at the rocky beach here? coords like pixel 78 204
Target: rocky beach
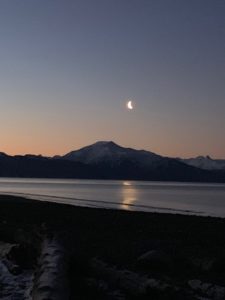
pixel 57 251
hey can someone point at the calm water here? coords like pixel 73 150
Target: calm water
pixel 188 198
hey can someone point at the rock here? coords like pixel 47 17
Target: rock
pixel 129 282
pixel 22 255
pixel 102 287
pixel 156 260
pixel 203 264
pixel 12 268
pixel 212 291
pixel 195 284
pixel 5 248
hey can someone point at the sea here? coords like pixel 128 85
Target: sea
pixel 207 199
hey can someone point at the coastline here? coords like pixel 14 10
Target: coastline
pixel 171 248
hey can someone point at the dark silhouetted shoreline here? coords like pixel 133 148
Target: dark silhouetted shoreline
pixel 102 253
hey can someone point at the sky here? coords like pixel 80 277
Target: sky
pixel 68 67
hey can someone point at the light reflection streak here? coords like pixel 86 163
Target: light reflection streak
pixel 129 195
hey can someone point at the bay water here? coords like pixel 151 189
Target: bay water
pixel 206 199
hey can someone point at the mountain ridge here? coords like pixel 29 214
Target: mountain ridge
pixel 205 162
pixel 106 160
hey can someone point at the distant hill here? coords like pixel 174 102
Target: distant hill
pixel 106 160
pixel 205 162
pixel 32 166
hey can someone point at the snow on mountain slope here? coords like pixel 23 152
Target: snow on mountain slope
pixel 205 162
pixel 111 153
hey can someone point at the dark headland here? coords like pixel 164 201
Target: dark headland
pixel 56 251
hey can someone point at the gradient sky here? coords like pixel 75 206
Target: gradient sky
pixel 67 68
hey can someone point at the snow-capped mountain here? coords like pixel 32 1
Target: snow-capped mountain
pixel 109 152
pixel 205 162
pixel 106 160
pixel 111 161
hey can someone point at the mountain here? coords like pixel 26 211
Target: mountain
pixel 2 154
pixel 115 162
pixel 111 153
pixel 205 162
pixel 106 160
pixel 32 166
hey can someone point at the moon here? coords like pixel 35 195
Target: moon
pixel 130 105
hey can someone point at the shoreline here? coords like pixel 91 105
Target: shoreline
pixel 108 205
pixel 175 248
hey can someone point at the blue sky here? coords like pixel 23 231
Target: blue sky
pixel 68 67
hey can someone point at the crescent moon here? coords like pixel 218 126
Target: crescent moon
pixel 130 105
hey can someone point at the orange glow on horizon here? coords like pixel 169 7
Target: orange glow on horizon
pixel 57 148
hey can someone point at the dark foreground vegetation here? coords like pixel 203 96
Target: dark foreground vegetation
pixel 54 251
